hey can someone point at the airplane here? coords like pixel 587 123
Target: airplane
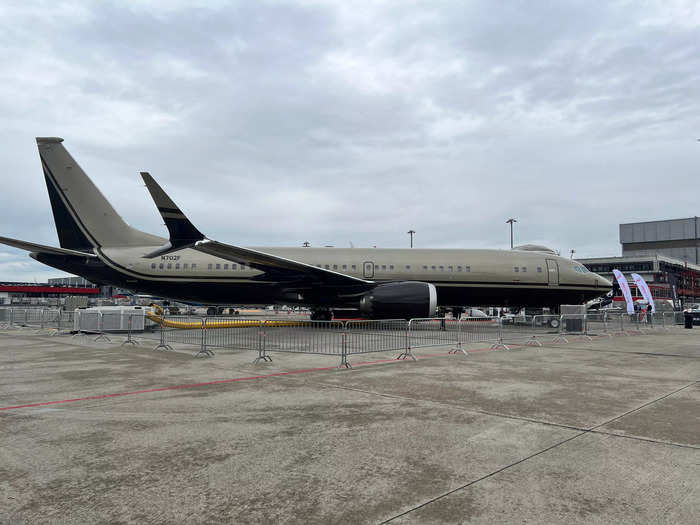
pixel 375 283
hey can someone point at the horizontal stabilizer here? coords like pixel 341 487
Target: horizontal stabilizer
pixel 183 233
pixel 40 248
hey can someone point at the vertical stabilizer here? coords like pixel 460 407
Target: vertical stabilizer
pixel 84 217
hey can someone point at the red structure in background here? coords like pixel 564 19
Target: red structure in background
pixel 43 289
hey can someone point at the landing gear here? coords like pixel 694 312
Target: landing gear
pixel 216 310
pixel 322 314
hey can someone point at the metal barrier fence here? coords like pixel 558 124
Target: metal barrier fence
pixel 50 321
pixel 336 338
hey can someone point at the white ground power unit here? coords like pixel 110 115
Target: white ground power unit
pixel 109 319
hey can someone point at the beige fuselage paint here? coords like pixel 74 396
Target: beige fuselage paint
pixel 449 267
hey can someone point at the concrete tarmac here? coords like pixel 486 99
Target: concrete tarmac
pixel 606 431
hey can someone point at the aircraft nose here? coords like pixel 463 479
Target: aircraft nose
pixel 603 282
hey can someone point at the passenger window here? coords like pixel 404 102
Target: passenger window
pixel 328 267
pixel 433 268
pixel 391 266
pixel 170 265
pixel 225 266
pixel 185 266
pixel 234 267
pixel 459 268
pixel 467 268
pixel 425 267
pixel 160 266
pixel 335 266
pixel 209 266
pixel 318 265
pixel 376 267
pixel 218 266
pixel 345 267
pixel 383 267
pixel 177 266
pixel 524 268
pixel 194 265
pixel 450 268
pixel 408 266
pixel 442 268
pixel 153 266
pixel 516 269
pixel 354 267
pixel 539 269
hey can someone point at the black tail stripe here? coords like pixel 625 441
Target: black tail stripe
pixel 69 207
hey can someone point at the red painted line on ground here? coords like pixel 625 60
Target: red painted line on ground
pixel 218 382
pixel 165 388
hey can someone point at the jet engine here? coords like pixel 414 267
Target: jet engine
pixel 400 300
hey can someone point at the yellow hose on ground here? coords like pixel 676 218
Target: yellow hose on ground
pixel 157 317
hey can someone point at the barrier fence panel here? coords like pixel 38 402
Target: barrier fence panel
pixel 245 336
pixel 5 318
pixel 480 330
pixel 364 336
pixel 548 325
pixel 426 332
pixel 86 323
pixel 304 337
pixel 596 324
pixel 184 329
pixel 573 325
pixel 518 330
pixel 672 318
pixel 19 318
pixel 130 324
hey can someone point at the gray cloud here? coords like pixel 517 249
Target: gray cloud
pixel 273 123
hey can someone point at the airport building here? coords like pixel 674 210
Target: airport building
pixel 676 238
pixel 664 253
pixel 49 294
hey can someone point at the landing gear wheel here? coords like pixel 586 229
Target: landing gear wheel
pixel 554 323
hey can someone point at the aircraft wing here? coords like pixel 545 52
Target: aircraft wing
pixel 183 234
pixel 265 261
pixel 40 248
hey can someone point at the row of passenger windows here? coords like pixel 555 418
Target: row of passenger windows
pixel 523 269
pixel 391 268
pixel 193 266
pixel 176 266
pixel 353 267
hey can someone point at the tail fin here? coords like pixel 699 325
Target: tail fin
pixel 84 218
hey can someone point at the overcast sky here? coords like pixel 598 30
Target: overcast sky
pixel 275 123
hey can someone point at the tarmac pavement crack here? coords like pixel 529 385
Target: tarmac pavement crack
pixel 539 452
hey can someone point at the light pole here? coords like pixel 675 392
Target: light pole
pixel 511 221
pixel 572 253
pixel 411 232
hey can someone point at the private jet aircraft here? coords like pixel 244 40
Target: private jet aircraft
pixel 378 283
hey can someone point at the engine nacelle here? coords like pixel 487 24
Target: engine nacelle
pixel 402 300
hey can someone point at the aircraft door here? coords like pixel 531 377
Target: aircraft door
pixel 552 272
pixel 368 269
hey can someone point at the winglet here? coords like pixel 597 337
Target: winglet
pixel 183 233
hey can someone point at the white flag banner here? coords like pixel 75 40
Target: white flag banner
pixel 625 287
pixel 644 288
